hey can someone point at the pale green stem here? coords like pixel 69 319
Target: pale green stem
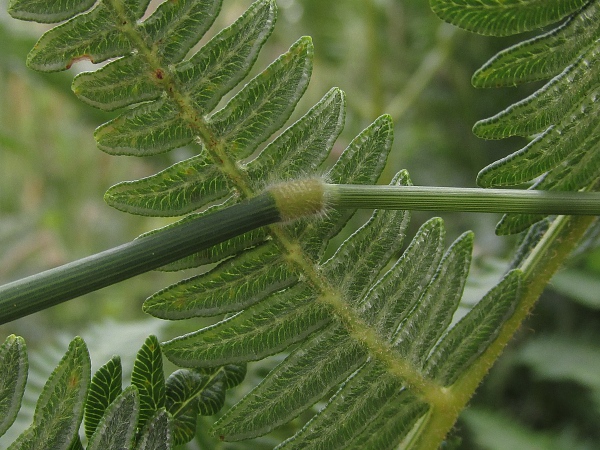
pixel 431 63
pixel 426 198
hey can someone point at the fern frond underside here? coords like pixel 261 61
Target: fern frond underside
pixel 380 336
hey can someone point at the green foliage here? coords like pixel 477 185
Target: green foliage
pixel 366 332
pixel 561 117
pixel 151 413
pixel 59 409
pixel 13 376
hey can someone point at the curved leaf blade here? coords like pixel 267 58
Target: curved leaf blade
pixel 93 35
pixel 120 83
pixel 149 379
pixel 504 17
pixel 59 409
pixel 470 337
pixel 148 129
pixel 393 297
pixel 252 334
pixel 157 434
pixel 227 58
pixel 13 378
pixel 303 378
pixel 543 56
pixel 193 392
pixel 116 430
pixel 106 386
pixel 236 284
pixel 433 313
pixel 302 148
pixel 184 187
pixel 548 105
pixel 47 11
pixel 176 27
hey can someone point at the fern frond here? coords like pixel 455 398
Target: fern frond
pixel 380 339
pixel 543 56
pixel 562 116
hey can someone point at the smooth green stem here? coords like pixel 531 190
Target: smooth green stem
pixel 425 198
pixel 287 201
pixel 54 286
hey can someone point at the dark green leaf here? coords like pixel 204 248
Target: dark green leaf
pixel 117 428
pixel 47 11
pixel 106 386
pixel 149 379
pixel 504 17
pixel 59 409
pixel 13 377
pixel 157 434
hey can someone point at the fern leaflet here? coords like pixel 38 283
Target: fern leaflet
pixel 561 116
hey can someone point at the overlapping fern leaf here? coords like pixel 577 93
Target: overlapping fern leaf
pixel 375 329
pixel 561 117
pixel 151 413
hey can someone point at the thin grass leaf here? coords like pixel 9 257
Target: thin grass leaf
pixel 106 386
pixel 13 378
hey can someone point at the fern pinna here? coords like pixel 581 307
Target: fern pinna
pixel 562 116
pixel 375 331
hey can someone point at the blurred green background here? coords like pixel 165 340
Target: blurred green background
pixel 389 56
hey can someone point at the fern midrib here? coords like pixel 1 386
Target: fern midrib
pixel 431 392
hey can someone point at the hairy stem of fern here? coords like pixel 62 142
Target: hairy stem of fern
pixel 549 254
